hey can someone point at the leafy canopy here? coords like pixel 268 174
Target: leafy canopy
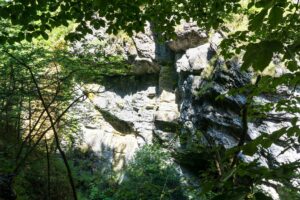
pixel 272 29
pixel 272 32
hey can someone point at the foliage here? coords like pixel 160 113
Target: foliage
pixel 21 104
pixel 37 17
pixel 54 70
pixel 237 173
pixel 93 182
pixel 35 176
pixel 272 29
pixel 151 175
pixel 271 36
pixel 241 181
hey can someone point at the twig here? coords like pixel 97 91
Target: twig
pixel 244 124
pixel 17 168
pixel 51 122
pixel 48 169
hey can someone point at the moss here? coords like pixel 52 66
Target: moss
pixel 236 22
pixel 56 37
pixel 123 36
pixel 85 69
pixel 205 88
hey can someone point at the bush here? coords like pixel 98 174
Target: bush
pixel 150 175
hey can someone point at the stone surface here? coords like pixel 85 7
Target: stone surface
pixel 189 35
pixel 179 100
pixel 114 122
pixel 145 44
pixel 141 50
pixel 167 111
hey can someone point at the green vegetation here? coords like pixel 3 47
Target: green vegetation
pixel 38 72
pixel 150 175
pixel 26 127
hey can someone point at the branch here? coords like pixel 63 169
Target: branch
pixel 51 122
pixel 244 124
pixel 17 168
pixel 48 169
pixel 37 122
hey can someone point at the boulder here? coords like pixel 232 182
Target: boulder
pixel 189 35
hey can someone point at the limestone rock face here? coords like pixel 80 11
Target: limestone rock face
pixel 115 120
pixel 145 44
pixel 189 35
pixel 168 109
pixel 172 92
pixel 141 50
pixel 195 59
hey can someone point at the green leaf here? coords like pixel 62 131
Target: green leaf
pixel 45 35
pixel 21 35
pixel 295 47
pixel 237 194
pixel 259 55
pixel 261 196
pixel 2 40
pixel 250 149
pixel 292 65
pixel 275 16
pixel 28 37
pixel 264 3
pixel 228 175
pixel 294 121
pixel 257 20
pixel 30 27
pixel 250 5
pixel 98 23
pixel 266 143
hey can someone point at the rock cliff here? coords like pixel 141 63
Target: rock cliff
pixel 170 96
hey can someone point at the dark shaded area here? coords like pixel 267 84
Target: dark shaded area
pixel 148 176
pixel 129 84
pixel 118 124
pixel 210 113
pixel 6 187
pixel 151 176
pixel 167 126
pixel 194 162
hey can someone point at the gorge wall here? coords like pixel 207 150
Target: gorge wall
pixel 169 96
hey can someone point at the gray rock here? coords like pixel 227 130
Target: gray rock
pixel 198 57
pixel 145 44
pixel 145 66
pixel 189 35
pixel 179 100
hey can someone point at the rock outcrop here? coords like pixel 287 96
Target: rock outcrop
pixel 171 94
pixel 189 35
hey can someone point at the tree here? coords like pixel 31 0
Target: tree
pixel 272 27
pixel 151 175
pixel 36 17
pixel 271 35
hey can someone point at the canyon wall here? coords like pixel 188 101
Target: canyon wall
pixel 169 96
